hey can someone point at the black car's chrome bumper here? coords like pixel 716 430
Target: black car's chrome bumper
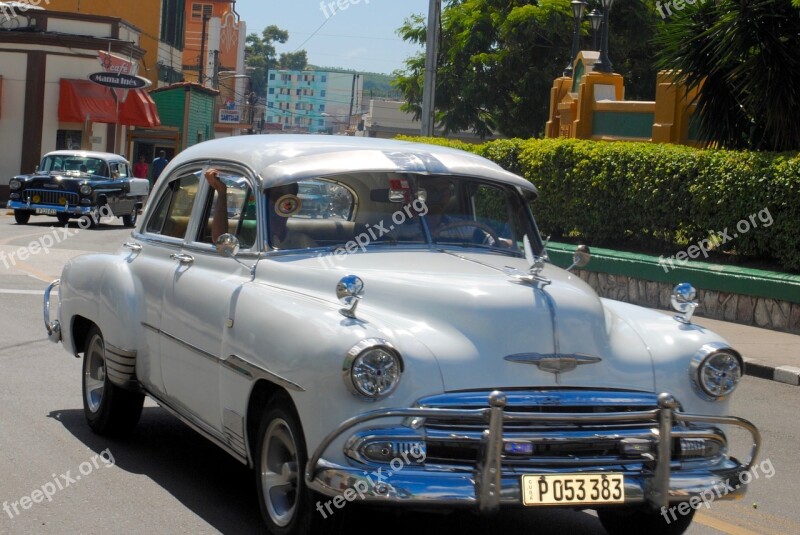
pixel 494 481
pixel 57 208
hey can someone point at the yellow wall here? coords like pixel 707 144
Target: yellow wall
pixel 144 14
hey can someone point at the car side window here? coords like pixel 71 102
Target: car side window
pixel 241 210
pixel 172 214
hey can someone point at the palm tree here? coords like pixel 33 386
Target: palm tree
pixel 743 56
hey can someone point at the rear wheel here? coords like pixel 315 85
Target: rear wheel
pixel 129 220
pixel 637 520
pixel 109 409
pixel 22 217
pixel 287 505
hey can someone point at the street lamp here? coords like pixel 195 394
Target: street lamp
pixel 596 19
pixel 604 63
pixel 578 6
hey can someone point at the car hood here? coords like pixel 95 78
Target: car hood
pixel 485 328
pixel 47 181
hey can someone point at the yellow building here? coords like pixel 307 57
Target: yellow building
pixel 163 43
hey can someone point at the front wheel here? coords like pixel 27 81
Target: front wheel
pixel 287 505
pixel 109 410
pixel 63 218
pixel 637 520
pixel 22 217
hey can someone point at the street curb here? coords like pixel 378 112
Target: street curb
pixel 782 374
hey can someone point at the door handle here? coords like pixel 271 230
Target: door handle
pixel 182 258
pixel 133 246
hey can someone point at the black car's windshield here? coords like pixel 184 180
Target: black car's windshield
pixel 74 165
pixel 360 210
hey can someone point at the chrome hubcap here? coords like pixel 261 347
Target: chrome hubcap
pixel 94 373
pixel 279 475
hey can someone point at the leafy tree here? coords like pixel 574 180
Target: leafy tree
pixel 261 56
pixel 498 59
pixel 743 56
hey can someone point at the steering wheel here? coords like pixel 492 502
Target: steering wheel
pixel 467 223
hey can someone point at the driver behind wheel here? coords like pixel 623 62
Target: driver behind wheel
pixel 444 220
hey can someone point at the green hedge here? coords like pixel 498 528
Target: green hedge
pixel 663 197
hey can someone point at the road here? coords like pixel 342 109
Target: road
pixel 167 479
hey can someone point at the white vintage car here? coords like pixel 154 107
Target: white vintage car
pixel 409 346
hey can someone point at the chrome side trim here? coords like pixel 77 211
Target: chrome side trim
pixel 121 367
pixel 202 429
pixel 253 372
pixel 187 345
pixel 54 328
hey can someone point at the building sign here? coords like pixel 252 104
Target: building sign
pixel 230 116
pixel 117 80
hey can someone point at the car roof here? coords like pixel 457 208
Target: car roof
pixel 280 159
pixel 87 154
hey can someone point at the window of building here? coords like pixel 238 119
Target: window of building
pixel 272 76
pixel 324 78
pixel 173 22
pixel 271 90
pixel 322 93
pixel 201 10
pixel 68 139
pixel 322 107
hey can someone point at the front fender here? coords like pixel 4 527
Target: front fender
pixel 671 345
pixel 99 288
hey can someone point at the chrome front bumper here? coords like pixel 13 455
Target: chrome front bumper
pixel 53 327
pixel 60 209
pixel 490 484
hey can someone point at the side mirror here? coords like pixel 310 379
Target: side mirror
pixel 581 257
pixel 228 245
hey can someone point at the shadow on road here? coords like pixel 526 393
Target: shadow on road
pixel 221 491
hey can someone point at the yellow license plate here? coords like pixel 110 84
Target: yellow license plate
pixel 568 489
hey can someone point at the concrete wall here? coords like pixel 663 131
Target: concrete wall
pixel 13 114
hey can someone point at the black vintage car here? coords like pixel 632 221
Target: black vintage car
pixel 79 184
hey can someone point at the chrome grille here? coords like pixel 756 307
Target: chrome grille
pixel 583 440
pixel 51 196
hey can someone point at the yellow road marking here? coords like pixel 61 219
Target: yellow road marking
pixel 721 525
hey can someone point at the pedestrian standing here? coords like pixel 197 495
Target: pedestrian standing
pixel 140 168
pixel 158 165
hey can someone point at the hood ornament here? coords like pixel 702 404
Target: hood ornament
pixel 556 363
pixel 533 275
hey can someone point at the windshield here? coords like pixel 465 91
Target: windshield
pixel 357 211
pixel 74 165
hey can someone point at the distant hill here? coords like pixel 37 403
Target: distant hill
pixel 376 85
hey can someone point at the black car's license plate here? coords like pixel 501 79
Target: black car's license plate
pixel 45 211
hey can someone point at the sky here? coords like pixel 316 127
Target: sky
pixel 361 36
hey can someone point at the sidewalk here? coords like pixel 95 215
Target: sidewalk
pixel 768 354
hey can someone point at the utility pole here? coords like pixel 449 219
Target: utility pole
pixel 202 75
pixel 352 99
pixel 431 55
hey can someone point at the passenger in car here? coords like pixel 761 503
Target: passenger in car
pixel 280 238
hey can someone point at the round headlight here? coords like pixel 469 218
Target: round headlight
pixel 86 189
pixel 372 369
pixel 716 370
pixel 14 184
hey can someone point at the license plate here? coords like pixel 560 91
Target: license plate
pixel 45 211
pixel 564 489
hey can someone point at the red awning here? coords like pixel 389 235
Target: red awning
pixel 139 109
pixel 80 99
